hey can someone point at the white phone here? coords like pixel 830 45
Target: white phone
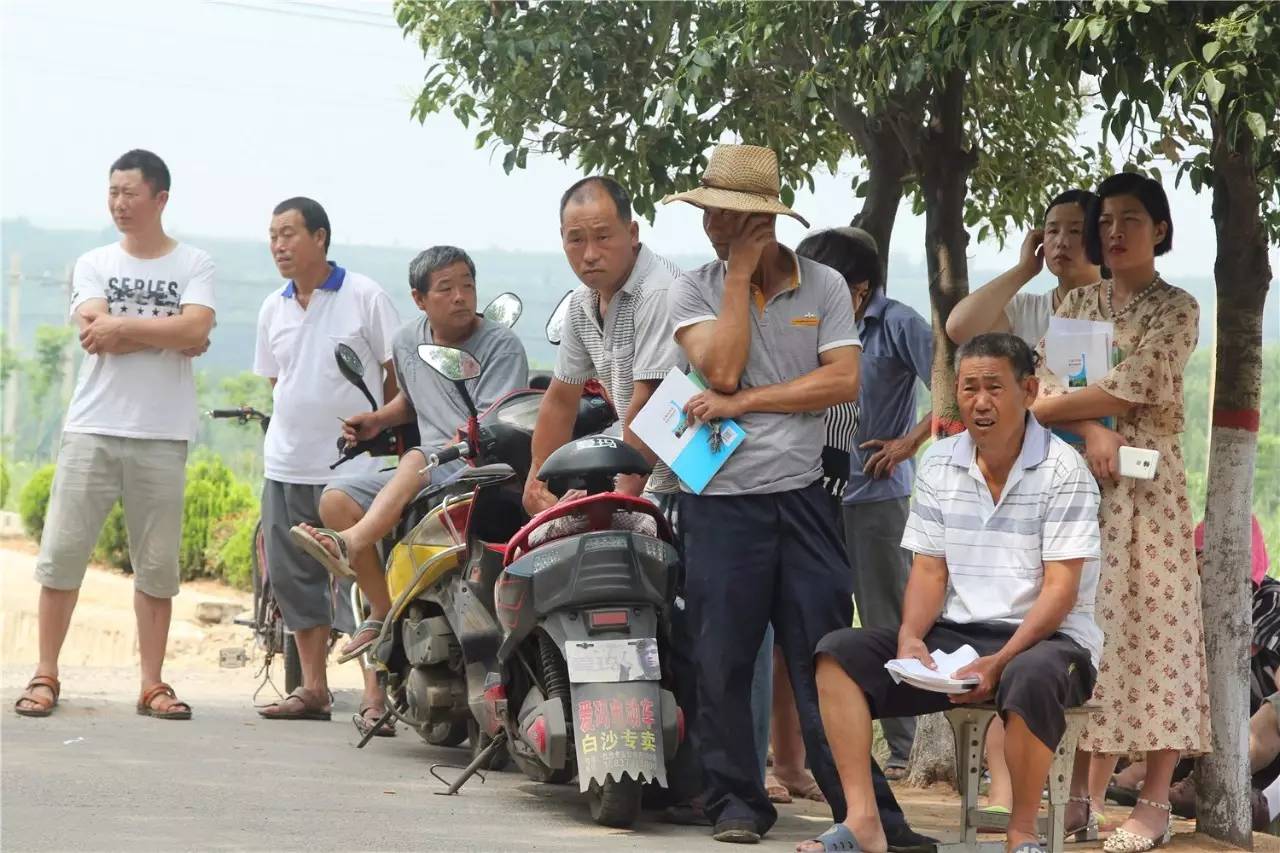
pixel 1138 462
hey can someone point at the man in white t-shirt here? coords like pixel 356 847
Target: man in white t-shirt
pixel 144 306
pixel 299 327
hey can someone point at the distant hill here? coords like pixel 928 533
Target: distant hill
pixel 246 275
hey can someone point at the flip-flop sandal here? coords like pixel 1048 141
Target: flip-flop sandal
pixel 895 772
pixel 38 705
pixel 776 791
pixel 810 791
pixel 363 724
pixel 353 650
pixel 993 810
pixel 340 566
pixel 305 712
pixel 838 838
pixel 176 710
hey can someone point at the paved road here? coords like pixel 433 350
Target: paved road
pixel 96 776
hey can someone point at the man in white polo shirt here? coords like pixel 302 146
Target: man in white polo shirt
pixel 144 306
pixel 1004 528
pixel 299 327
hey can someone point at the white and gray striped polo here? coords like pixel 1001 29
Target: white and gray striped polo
pixel 632 343
pixel 995 551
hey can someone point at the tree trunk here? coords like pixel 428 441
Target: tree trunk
pixel 1242 274
pixel 944 178
pixel 946 164
pixel 887 166
pixel 933 754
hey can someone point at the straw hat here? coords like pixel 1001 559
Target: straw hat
pixel 740 177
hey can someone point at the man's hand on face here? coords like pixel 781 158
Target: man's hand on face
pixel 361 427
pixel 709 405
pixel 914 647
pixel 988 671
pixel 755 231
pixel 891 453
pixel 102 334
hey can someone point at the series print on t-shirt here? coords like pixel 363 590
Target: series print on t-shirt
pixel 142 297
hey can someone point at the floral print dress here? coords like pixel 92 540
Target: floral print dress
pixel 1152 687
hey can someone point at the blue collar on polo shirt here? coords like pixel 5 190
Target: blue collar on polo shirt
pixel 333 282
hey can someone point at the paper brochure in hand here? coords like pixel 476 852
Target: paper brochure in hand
pixel 940 680
pixel 686 447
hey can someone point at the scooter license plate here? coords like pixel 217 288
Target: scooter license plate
pixel 612 660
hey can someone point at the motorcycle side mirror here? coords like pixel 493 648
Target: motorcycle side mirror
pixel 505 309
pixel 455 365
pixel 555 325
pixel 352 369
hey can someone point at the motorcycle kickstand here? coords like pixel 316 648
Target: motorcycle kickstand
pixel 373 730
pixel 499 740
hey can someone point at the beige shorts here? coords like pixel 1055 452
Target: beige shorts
pixel 94 471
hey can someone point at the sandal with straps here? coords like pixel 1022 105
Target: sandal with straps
pixel 313 546
pixel 353 649
pixel 39 706
pixel 1124 841
pixel 1087 831
pixel 176 710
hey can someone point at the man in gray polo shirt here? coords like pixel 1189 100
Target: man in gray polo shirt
pixel 773 336
pixel 1004 528
pixel 359 511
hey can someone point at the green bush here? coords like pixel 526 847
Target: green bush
pixel 213 493
pixel 231 545
pixel 113 542
pixel 4 481
pixel 33 503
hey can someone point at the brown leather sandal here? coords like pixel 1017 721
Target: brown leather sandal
pixel 175 710
pixel 39 706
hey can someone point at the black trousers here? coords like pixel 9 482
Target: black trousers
pixel 751 560
pixel 1038 685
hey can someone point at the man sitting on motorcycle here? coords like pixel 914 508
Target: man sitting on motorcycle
pixel 359 512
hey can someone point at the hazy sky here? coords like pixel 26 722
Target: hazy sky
pixel 252 101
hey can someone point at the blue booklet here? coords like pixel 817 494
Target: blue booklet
pixel 686 447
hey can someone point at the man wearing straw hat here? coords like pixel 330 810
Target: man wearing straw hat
pixel 773 336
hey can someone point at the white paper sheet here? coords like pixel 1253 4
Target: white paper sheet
pixel 942 679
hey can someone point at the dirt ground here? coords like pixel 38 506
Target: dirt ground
pixel 99 671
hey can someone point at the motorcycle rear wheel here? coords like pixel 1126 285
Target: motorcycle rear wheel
pixel 616 803
pixel 445 734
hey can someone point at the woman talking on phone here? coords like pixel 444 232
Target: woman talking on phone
pixel 1152 687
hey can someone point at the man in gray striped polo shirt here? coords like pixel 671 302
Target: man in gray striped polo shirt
pixel 1004 528
pixel 617 331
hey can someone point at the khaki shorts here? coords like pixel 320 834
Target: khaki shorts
pixel 94 471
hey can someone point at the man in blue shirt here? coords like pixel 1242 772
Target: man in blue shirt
pixel 897 348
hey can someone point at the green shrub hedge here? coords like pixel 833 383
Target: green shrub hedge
pixel 219 517
pixel 33 503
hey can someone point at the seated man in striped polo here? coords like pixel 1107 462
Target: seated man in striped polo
pixel 1004 528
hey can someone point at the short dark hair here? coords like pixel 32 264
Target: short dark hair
pixel 1083 198
pixel 579 192
pixel 153 169
pixel 1000 345
pixel 313 215
pixel 433 260
pixel 1146 190
pixel 851 252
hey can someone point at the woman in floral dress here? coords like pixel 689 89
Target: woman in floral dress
pixel 1152 686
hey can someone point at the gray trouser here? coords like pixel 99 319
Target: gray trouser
pixel 873 537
